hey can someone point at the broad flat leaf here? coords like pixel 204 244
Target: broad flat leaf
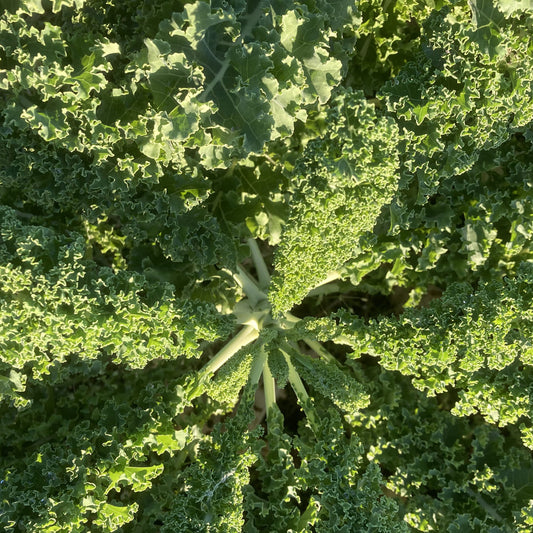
pixel 508 7
pixel 487 19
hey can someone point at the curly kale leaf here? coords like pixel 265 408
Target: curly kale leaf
pixel 243 73
pixel 56 304
pixel 476 342
pixel 344 179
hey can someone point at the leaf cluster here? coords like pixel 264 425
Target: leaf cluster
pixel 266 266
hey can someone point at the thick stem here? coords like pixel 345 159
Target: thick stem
pixel 300 391
pixel 325 289
pixel 270 388
pixel 249 286
pixel 332 276
pixel 263 274
pixel 245 336
pixel 258 366
pixel 288 320
pixel 320 350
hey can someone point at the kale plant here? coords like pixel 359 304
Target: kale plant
pixel 266 266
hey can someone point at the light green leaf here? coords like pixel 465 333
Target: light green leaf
pixel 114 516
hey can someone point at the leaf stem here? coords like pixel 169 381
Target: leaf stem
pixel 253 17
pixel 300 391
pixel 288 320
pixel 258 366
pixel 263 274
pixel 249 286
pixel 245 336
pixel 486 506
pixel 270 388
pixel 320 350
pixel 332 276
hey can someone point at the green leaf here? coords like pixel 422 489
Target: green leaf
pixel 509 7
pixel 114 516
pixel 139 477
pixel 344 179
pixel 487 20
